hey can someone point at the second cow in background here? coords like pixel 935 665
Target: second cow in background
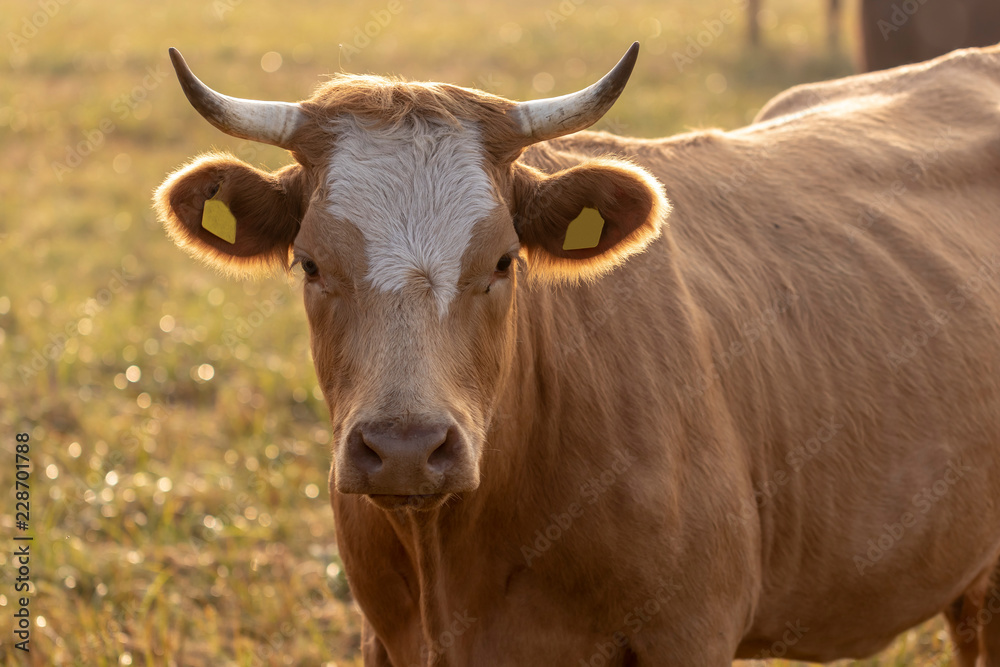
pixel 900 32
pixel 897 33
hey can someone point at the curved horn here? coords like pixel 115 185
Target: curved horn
pixel 267 122
pixel 553 117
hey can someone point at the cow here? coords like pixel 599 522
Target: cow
pixel 599 400
pixel 899 33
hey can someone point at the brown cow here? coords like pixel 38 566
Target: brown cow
pixel 773 430
pixel 899 32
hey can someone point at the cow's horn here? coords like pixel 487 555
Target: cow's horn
pixel 553 117
pixel 267 122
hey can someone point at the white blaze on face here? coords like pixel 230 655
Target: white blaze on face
pixel 415 191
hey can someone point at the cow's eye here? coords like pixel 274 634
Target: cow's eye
pixel 501 271
pixel 309 268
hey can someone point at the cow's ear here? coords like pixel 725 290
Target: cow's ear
pixel 267 207
pixel 583 221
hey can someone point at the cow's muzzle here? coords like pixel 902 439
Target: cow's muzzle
pixel 406 464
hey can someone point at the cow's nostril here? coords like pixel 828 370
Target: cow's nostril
pixel 363 454
pixel 369 455
pixel 444 454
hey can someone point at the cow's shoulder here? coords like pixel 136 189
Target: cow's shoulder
pixel 971 68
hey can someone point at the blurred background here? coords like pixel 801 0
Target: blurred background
pixel 179 443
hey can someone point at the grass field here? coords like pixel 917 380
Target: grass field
pixel 179 446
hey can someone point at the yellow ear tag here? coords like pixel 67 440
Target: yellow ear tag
pixel 219 220
pixel 585 231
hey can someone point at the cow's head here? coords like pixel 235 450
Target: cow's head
pixel 412 219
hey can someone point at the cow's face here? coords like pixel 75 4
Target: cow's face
pixel 409 257
pixel 411 236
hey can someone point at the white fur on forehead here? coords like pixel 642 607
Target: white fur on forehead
pixel 415 190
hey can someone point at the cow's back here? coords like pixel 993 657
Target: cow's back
pixel 962 71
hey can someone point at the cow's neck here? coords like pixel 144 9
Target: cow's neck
pixel 419 533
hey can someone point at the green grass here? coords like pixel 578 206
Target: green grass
pixel 182 518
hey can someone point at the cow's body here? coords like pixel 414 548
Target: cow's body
pixel 774 433
pixel 818 316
